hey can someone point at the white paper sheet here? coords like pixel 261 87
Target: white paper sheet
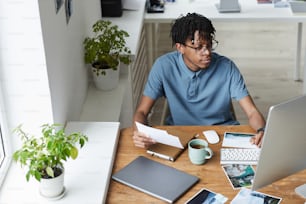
pixel 160 136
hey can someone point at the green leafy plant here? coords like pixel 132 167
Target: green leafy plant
pixel 44 155
pixel 107 47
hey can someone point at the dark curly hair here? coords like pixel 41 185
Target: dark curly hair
pixel 184 28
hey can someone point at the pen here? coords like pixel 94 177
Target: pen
pixel 162 156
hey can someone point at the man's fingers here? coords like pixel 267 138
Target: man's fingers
pixel 252 140
pixel 142 140
pixel 257 140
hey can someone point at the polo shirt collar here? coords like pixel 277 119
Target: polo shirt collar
pixel 186 70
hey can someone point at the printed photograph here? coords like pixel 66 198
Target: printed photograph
pixel 69 9
pixel 206 196
pixel 254 197
pixel 58 5
pixel 239 175
pixel 236 139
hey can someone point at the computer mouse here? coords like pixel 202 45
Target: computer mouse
pixel 211 136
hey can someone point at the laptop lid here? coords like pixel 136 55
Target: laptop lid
pixel 284 144
pixel 156 179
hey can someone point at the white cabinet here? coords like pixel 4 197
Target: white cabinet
pixel 139 70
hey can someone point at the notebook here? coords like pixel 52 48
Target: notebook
pixel 228 6
pixel 168 152
pixel 156 179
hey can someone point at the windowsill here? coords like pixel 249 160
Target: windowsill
pixel 104 105
pixel 86 178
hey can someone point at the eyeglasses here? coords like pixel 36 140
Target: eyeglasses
pixel 209 47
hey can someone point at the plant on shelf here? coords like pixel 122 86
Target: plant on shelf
pixel 106 49
pixel 44 156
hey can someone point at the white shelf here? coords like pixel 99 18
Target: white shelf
pixel 104 105
pixel 119 104
pixel 132 22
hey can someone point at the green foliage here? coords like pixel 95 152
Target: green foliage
pixel 107 47
pixel 43 155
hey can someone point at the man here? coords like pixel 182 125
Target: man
pixel 198 83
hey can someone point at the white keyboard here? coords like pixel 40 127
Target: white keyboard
pixel 239 156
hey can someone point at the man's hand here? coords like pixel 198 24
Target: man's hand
pixel 142 140
pixel 257 139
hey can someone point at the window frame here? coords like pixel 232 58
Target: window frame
pixel 5 140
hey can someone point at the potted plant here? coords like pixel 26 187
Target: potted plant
pixel 104 51
pixel 44 156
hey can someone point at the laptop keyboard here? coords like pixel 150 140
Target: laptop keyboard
pixel 239 156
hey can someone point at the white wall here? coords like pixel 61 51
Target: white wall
pixel 64 54
pixel 41 60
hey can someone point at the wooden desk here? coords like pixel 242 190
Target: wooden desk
pixel 211 175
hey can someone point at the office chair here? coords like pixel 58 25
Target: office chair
pixel 165 113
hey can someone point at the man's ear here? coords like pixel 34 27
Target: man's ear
pixel 180 47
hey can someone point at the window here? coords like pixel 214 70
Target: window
pixel 2 153
pixel 5 157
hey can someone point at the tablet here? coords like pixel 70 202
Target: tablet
pixel 206 196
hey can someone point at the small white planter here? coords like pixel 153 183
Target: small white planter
pixel 108 81
pixel 52 188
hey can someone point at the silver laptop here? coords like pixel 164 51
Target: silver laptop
pixel 228 6
pixel 284 145
pixel 156 179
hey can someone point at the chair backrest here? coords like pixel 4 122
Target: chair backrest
pixel 165 113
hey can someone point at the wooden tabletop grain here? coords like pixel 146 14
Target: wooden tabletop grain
pixel 211 174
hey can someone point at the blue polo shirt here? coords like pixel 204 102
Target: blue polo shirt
pixel 196 98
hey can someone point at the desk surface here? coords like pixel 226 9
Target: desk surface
pixel 250 11
pixel 211 175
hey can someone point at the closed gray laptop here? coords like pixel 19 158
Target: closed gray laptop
pixel 156 179
pixel 228 6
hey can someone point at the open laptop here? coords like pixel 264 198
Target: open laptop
pixel 228 6
pixel 284 144
pixel 156 179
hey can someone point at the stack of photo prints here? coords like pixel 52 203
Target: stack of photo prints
pixel 240 177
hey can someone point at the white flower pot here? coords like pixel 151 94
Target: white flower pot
pixel 108 81
pixel 52 188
